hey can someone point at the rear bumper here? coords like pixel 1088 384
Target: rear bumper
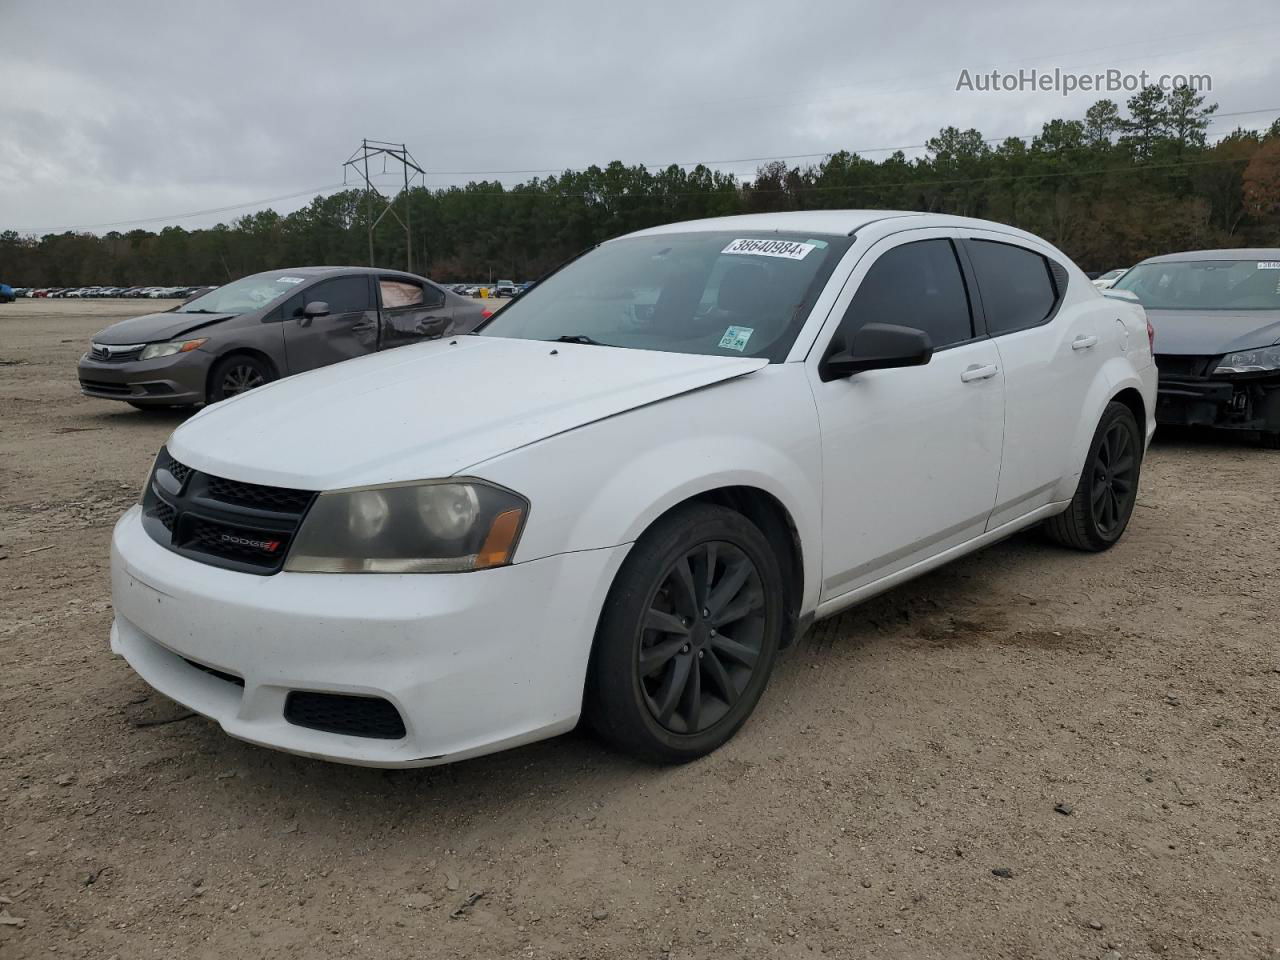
pixel 179 379
pixel 1223 404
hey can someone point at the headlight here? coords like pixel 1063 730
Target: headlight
pixel 1261 360
pixel 153 350
pixel 436 526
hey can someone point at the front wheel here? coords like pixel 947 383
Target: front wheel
pixel 688 636
pixel 237 373
pixel 1108 487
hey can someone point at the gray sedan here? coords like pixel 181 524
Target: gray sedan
pixel 267 326
pixel 1216 315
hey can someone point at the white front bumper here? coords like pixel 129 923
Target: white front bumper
pixel 474 662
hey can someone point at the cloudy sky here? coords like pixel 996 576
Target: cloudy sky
pixel 112 113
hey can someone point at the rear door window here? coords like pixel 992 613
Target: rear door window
pixel 411 311
pixel 1017 285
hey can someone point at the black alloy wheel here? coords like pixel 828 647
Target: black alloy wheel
pixel 688 635
pixel 1115 479
pixel 1108 489
pixel 700 640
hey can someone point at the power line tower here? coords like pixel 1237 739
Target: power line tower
pixel 359 164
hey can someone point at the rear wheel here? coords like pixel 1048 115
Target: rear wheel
pixel 1108 488
pixel 237 373
pixel 688 636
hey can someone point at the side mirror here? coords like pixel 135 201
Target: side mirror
pixel 877 346
pixel 316 308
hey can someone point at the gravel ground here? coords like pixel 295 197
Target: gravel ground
pixel 904 753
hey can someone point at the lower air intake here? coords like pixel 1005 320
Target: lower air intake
pixel 339 713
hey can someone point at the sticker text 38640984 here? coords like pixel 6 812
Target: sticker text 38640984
pixel 788 249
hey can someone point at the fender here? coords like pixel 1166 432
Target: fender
pixel 603 484
pixel 1116 374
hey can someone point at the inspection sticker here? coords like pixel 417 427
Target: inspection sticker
pixel 1269 264
pixel 788 249
pixel 735 338
pixel 289 279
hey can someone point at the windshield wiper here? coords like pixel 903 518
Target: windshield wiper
pixel 578 338
pixel 198 311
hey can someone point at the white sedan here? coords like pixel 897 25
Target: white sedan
pixel 625 494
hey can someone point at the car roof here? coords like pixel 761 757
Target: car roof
pixel 329 271
pixel 830 222
pixel 1241 253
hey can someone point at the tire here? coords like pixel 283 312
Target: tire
pixel 1270 441
pixel 726 658
pixel 1105 497
pixel 236 374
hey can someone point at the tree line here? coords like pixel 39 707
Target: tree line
pixel 1109 189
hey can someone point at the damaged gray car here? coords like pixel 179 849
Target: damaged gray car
pixel 1216 315
pixel 266 326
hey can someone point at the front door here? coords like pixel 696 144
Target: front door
pixel 911 456
pixel 349 329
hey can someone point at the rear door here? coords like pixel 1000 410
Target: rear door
pixel 1050 354
pixel 349 329
pixel 411 311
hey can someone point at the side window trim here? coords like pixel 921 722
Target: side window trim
pixel 1059 290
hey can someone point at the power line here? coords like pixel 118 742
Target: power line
pixel 317 191
pixel 785 156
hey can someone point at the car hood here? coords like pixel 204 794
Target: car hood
pixel 1213 332
pixel 157 326
pixel 431 410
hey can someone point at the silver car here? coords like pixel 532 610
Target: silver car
pixel 266 326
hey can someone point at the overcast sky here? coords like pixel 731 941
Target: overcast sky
pixel 130 111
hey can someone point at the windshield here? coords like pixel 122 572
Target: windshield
pixel 725 294
pixel 246 295
pixel 1206 285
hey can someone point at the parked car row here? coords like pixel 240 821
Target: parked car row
pixel 501 288
pixel 151 293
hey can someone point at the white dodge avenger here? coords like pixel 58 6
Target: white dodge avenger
pixel 625 494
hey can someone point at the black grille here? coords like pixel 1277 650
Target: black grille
pixel 180 471
pixel 1172 365
pixel 102 386
pixel 165 514
pixel 267 498
pixel 227 523
pixel 104 353
pixel 338 713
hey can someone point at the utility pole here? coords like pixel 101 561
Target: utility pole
pixel 358 162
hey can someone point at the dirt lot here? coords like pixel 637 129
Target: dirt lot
pixel 904 751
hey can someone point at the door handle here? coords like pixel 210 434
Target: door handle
pixel 1083 343
pixel 979 373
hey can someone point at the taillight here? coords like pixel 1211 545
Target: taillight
pixel 486 314
pixel 1151 337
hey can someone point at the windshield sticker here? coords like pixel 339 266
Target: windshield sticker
pixel 820 244
pixel 1269 264
pixel 735 338
pixel 787 249
pixel 289 279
